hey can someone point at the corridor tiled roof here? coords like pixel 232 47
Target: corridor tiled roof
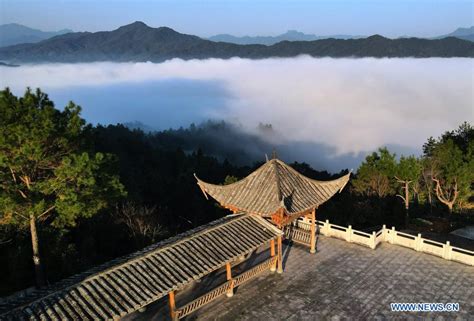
pixel 274 186
pixel 125 285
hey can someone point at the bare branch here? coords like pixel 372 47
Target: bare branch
pixel 22 194
pixel 47 211
pixel 13 174
pixel 439 192
pixel 404 181
pixel 23 216
pixel 445 196
pixel 25 179
pixel 142 221
pixel 5 242
pixel 403 198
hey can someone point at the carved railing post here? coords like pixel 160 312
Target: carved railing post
pixel 393 234
pixel 418 242
pixel 447 251
pixel 327 228
pixel 349 234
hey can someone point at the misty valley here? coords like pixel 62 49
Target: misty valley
pixel 327 112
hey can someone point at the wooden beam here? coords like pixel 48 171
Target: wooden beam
pixel 230 208
pixel 272 254
pixel 288 219
pixel 313 232
pixel 172 305
pixel 230 292
pixel 278 217
pixel 280 261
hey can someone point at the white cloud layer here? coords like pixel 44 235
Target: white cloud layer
pixel 355 105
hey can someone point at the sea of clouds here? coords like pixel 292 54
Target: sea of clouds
pixel 352 105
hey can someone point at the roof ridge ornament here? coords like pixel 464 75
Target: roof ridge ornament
pixel 274 154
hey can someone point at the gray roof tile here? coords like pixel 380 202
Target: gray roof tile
pixel 273 186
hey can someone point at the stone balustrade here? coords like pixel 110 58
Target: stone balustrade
pixel 392 236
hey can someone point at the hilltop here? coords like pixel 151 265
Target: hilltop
pixel 462 33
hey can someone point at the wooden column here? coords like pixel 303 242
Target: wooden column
pixel 172 305
pixel 280 261
pixel 272 254
pixel 313 232
pixel 230 293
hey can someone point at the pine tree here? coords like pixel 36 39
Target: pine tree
pixel 46 174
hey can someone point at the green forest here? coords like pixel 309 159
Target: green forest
pixel 73 195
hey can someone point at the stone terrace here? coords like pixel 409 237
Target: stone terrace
pixel 347 281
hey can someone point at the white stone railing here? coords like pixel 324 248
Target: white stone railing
pixel 417 243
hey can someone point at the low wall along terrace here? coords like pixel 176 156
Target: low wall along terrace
pixel 444 250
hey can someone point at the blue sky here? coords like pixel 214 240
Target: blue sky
pixel 246 17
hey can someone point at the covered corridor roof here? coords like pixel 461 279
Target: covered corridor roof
pixel 272 187
pixel 129 283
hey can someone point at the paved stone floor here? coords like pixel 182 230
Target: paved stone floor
pixel 345 281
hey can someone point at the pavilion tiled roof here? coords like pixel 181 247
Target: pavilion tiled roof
pixel 127 284
pixel 274 186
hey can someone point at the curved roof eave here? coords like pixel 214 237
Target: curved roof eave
pixel 233 196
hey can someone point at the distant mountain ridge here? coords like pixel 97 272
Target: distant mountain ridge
pixel 139 42
pixel 2 64
pixel 290 35
pixel 462 33
pixel 294 35
pixel 13 34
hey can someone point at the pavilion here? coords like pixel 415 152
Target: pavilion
pixel 277 192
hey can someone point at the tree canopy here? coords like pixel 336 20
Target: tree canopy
pixel 374 176
pixel 451 158
pixel 45 171
pixel 445 171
